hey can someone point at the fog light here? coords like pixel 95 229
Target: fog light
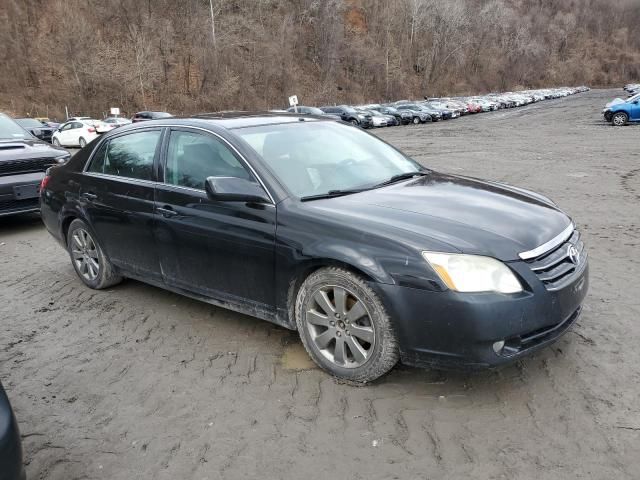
pixel 498 346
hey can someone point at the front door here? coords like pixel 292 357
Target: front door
pixel 222 250
pixel 635 111
pixel 117 193
pixel 65 136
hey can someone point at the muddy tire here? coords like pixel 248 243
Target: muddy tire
pixel 88 259
pixel 344 326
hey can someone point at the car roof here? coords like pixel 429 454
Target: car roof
pixel 230 120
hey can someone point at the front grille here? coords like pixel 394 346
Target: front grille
pixel 18 205
pixel 555 268
pixel 14 167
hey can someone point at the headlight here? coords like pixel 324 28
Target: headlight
pixel 361 117
pixel 63 158
pixel 473 273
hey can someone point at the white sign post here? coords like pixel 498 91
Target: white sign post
pixel 293 102
pixel 115 111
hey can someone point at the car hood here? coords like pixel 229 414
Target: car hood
pixel 455 214
pixel 28 148
pixel 613 102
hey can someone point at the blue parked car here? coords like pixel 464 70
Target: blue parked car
pixel 623 112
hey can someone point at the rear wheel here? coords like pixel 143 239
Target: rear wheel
pixel 82 142
pixel 416 120
pixel 619 119
pixel 88 259
pixel 344 326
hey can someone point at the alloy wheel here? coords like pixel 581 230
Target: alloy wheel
pixel 619 120
pixel 85 254
pixel 340 326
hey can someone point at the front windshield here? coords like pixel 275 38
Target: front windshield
pixel 634 98
pixel 315 111
pixel 10 130
pixel 315 158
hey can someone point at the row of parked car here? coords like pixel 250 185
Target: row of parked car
pixel 78 131
pixel 413 112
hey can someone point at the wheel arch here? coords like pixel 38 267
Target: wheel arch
pixel 298 277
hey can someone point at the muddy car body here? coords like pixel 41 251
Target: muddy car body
pixel 321 227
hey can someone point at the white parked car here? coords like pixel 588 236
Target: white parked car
pixel 116 121
pixel 75 133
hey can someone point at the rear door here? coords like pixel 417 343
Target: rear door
pixel 118 192
pixel 222 250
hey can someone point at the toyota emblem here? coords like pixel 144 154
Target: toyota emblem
pixel 573 254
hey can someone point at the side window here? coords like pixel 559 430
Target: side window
pixel 192 157
pixel 76 125
pixel 128 156
pixel 65 127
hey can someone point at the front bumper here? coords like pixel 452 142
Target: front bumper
pixel 458 330
pixel 16 193
pixel 11 467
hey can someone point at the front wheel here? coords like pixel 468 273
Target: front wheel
pixel 416 120
pixel 56 142
pixel 619 119
pixel 88 259
pixel 344 326
pixel 354 122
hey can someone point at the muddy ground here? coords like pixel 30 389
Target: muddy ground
pixel 138 383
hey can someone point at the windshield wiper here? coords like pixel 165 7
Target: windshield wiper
pixel 332 194
pixel 340 193
pixel 402 176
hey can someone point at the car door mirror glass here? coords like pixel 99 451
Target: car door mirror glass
pixel 234 189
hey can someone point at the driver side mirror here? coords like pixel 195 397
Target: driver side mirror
pixel 234 189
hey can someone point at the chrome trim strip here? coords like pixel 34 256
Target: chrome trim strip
pixel 551 244
pixel 119 178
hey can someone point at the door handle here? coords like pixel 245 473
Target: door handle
pixel 166 211
pixel 89 196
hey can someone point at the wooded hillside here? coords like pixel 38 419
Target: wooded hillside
pixel 165 55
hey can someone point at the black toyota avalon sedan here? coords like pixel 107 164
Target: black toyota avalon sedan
pixel 11 467
pixel 320 227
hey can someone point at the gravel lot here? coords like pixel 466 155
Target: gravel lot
pixel 138 383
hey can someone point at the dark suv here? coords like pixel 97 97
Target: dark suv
pixel 351 115
pixel 23 161
pixel 142 116
pixel 36 128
